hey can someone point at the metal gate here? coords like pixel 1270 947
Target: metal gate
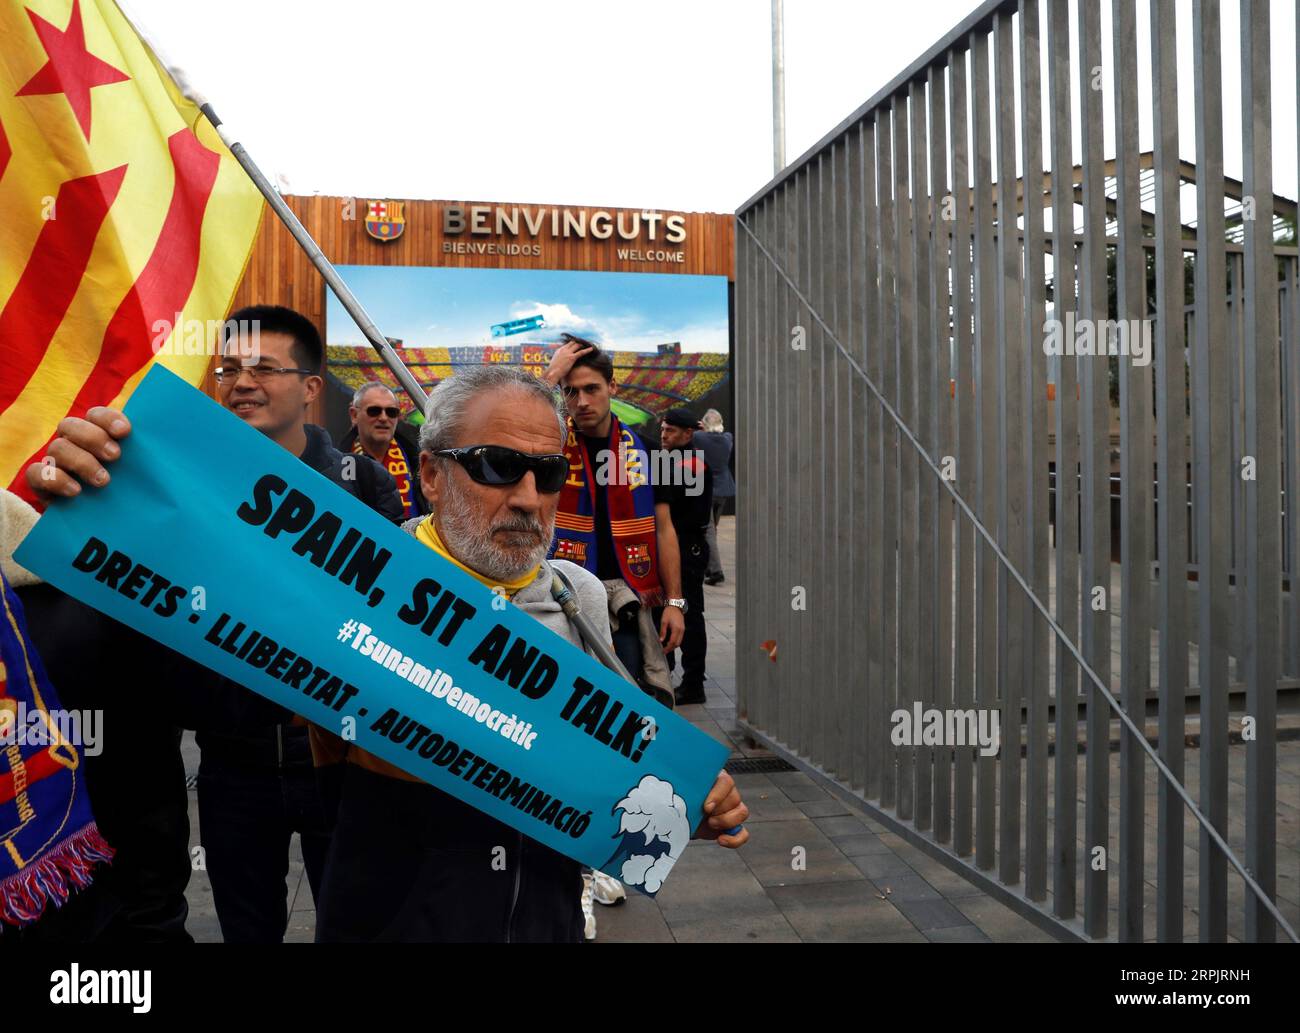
pixel 926 521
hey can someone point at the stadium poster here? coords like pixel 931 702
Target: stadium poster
pixel 668 331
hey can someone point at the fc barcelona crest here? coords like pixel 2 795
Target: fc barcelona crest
pixel 575 552
pixel 638 559
pixel 384 219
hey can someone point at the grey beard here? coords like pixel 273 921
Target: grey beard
pixel 470 543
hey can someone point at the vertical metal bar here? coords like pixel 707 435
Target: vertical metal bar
pixel 859 280
pixel 925 485
pixel 890 259
pixel 816 616
pixel 761 280
pixel 1291 435
pixel 1292 414
pixel 790 645
pixel 809 523
pixel 967 458
pixel 822 589
pixel 1064 846
pixel 986 682
pixel 1034 440
pixel 941 348
pixel 751 518
pixel 907 462
pixel 1263 428
pixel 1135 474
pixel 774 401
pixel 843 433
pixel 1210 409
pixel 1009 474
pixel 745 377
pixel 789 460
pixel 1094 434
pixel 1171 465
pixel 875 300
pixel 1236 564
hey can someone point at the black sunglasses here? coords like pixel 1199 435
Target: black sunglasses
pixel 497 465
pixel 391 411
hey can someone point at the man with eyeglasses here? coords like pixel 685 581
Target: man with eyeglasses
pixel 256 784
pixel 379 431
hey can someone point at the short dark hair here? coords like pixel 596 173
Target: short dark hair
pixel 598 360
pixel 308 351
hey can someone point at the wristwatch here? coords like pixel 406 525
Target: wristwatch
pixel 679 603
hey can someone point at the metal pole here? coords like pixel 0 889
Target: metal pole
pixel 322 264
pixel 778 87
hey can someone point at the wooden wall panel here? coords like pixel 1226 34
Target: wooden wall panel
pixel 279 273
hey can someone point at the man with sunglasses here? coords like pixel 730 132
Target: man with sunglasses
pixel 409 862
pixel 379 431
pixel 256 784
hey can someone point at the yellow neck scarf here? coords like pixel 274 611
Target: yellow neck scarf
pixel 428 535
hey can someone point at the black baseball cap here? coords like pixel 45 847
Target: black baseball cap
pixel 680 417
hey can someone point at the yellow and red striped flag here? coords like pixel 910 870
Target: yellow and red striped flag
pixel 120 210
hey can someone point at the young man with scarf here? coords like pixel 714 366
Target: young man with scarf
pixel 615 523
pixel 379 432
pixel 612 520
pixel 256 784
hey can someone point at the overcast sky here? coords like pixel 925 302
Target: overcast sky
pixel 664 105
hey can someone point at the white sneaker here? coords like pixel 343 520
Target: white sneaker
pixel 588 913
pixel 608 890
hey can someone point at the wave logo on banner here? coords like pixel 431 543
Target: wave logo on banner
pixel 338 615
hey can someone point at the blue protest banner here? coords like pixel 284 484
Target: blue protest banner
pixel 368 633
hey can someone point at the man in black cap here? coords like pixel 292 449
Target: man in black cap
pixel 690 502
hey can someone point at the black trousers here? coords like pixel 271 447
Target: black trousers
pixel 695 642
pixel 409 863
pixel 247 817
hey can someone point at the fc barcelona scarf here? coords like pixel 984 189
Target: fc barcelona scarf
pixel 395 463
pixel 630 501
pixel 49 837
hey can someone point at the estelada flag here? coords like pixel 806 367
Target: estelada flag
pixel 125 223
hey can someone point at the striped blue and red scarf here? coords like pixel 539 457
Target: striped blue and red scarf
pixel 49 842
pixel 630 501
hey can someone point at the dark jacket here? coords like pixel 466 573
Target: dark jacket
pixel 234 721
pixel 717 453
pixel 692 512
pixel 408 437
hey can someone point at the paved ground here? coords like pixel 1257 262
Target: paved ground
pixel 813 870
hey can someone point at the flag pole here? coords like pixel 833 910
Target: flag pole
pixel 299 232
pixel 323 265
